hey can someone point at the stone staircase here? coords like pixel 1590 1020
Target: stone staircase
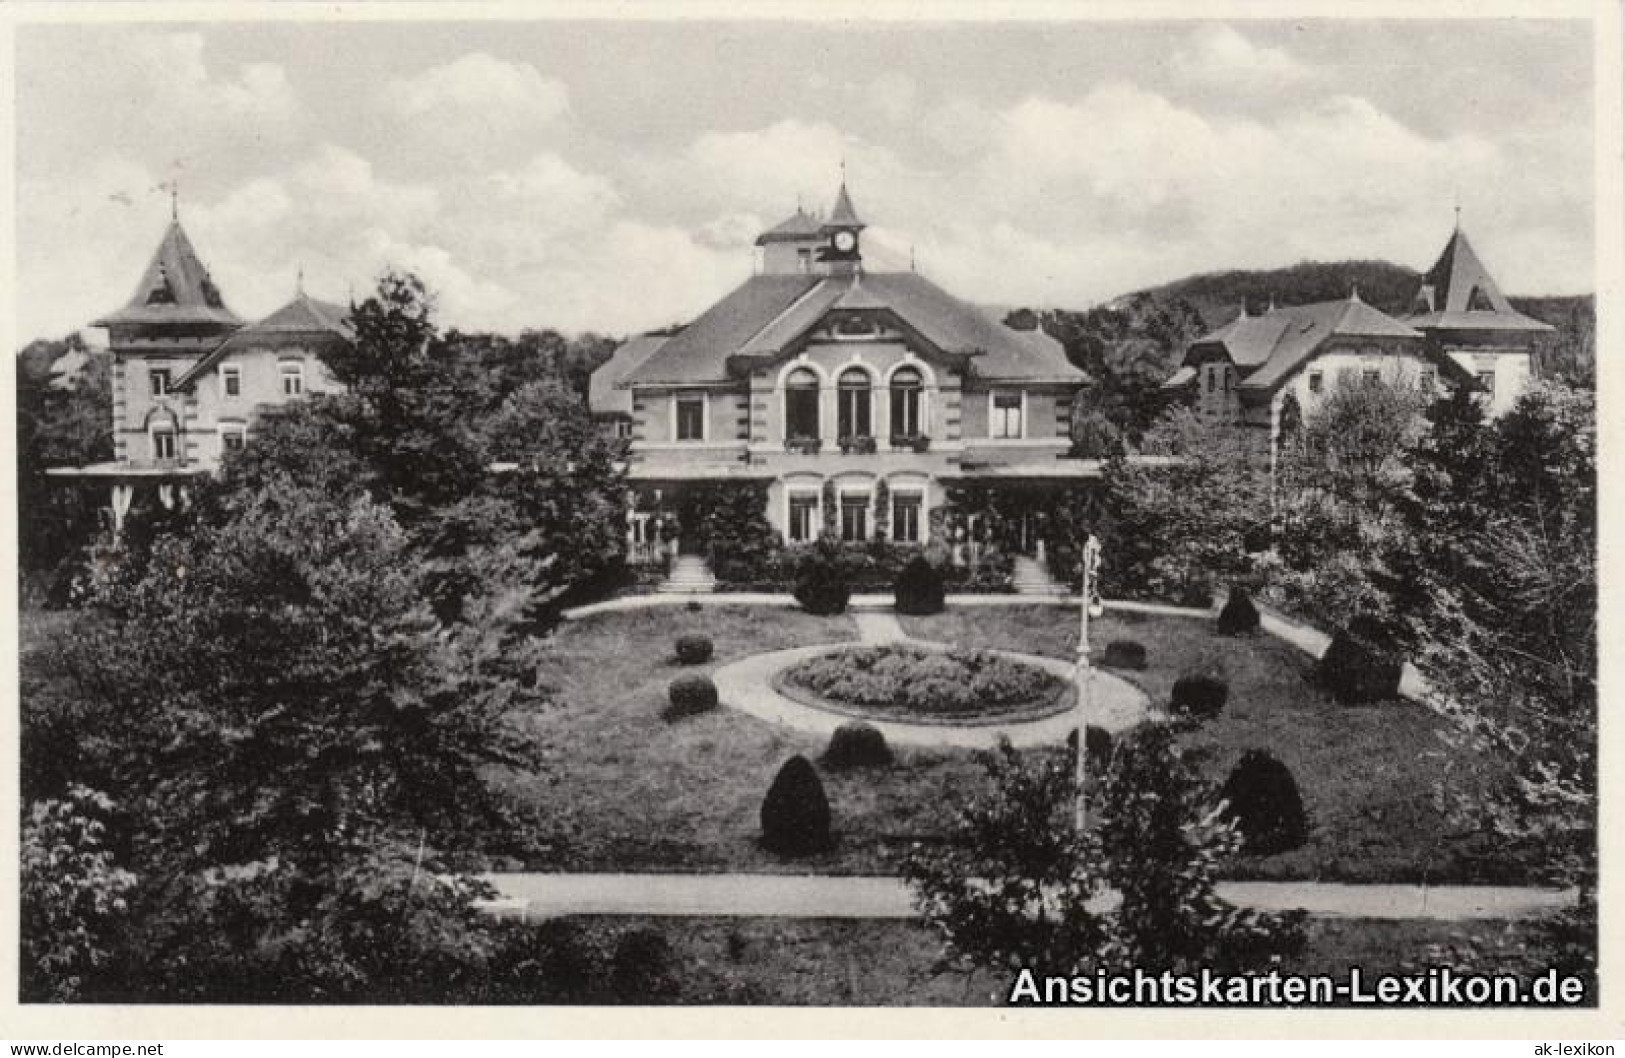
pixel 1030 577
pixel 689 576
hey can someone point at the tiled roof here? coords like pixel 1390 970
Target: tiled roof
pixel 769 312
pixel 798 227
pixel 175 288
pixel 1279 342
pixel 700 351
pixel 1459 293
pixel 303 317
pixel 604 395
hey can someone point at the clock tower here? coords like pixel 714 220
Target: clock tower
pixel 840 232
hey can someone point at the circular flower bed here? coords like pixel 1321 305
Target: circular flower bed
pixel 917 684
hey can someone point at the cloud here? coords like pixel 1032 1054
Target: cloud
pixel 1220 57
pixel 474 107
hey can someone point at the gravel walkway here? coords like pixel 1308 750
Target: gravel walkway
pixel 867 896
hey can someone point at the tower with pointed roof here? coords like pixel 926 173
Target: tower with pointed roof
pixel 1461 310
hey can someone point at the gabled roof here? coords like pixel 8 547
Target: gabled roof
pixel 770 312
pixel 1277 343
pixel 1458 293
pixel 302 318
pixel 605 395
pixel 800 226
pixel 175 288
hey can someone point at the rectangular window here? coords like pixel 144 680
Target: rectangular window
pixel 1006 417
pixel 623 429
pixel 1486 382
pixel 804 259
pixel 1427 381
pixel 158 380
pixel 1371 376
pixel 905 517
pixel 163 444
pixel 232 439
pixel 1316 382
pixel 691 418
pixel 231 380
pixel 854 516
pixel 293 378
pixel 803 518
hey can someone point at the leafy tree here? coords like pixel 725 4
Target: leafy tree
pixel 1018 884
pixel 1173 529
pixel 59 425
pixel 74 897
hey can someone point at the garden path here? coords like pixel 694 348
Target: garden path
pixel 868 896
pixel 747 685
pixel 877 628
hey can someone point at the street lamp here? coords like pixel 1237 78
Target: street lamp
pixel 1088 606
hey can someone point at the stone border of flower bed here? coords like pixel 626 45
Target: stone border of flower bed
pixel 1061 701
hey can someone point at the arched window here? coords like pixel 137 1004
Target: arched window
pixel 801 405
pixel 852 411
pixel 905 403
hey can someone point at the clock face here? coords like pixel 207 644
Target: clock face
pixel 845 241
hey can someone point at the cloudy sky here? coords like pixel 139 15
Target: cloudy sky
pixel 612 176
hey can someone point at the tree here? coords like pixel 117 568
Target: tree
pixel 1017 884
pixel 1174 529
pixel 73 898
pixel 59 424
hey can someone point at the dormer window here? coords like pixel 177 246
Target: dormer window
pixel 1478 301
pixel 211 294
pixel 855 326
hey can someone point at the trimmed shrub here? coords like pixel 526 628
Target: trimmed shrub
pixel 1263 800
pixel 693 650
pixel 919 589
pixel 795 812
pixel 690 696
pixel 1361 664
pixel 822 587
pixel 693 606
pixel 857 745
pixel 1199 696
pixel 1124 654
pixel 1239 616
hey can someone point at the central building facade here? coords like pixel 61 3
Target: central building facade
pixel 858 398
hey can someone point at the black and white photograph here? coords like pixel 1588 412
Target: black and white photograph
pixel 678 507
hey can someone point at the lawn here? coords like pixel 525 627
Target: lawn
pixel 622 789
pixel 824 962
pixel 1367 773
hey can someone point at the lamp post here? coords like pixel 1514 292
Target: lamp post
pixel 1082 673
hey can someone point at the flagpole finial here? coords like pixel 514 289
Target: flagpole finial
pixel 175 199
pixel 299 281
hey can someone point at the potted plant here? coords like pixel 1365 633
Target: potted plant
pixel 863 446
pixel 808 446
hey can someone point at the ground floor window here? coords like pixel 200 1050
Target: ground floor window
pixel 232 438
pixel 803 518
pixel 1486 382
pixel 854 516
pixel 163 444
pixel 905 517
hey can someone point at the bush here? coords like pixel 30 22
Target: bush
pixel 693 606
pixel 822 587
pixel 1199 696
pixel 1360 665
pixel 1263 800
pixel 1239 616
pixel 1097 743
pixel 693 650
pixel 795 812
pixel 690 696
pixel 919 589
pixel 857 745
pixel 641 970
pixel 1125 654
